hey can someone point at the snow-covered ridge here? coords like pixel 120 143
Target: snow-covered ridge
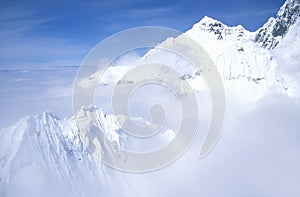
pixel 60 155
pixel 53 149
pixel 242 57
pixel 222 31
pixel 275 29
pixel 242 64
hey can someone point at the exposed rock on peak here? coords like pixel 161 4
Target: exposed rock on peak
pixel 273 31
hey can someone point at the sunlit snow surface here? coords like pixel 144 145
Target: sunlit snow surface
pixel 258 153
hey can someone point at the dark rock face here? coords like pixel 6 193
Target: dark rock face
pixel 271 33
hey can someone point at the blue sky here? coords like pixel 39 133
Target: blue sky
pixel 60 33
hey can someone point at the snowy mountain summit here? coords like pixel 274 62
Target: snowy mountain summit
pixel 275 29
pixel 221 30
pixel 246 59
pixel 267 36
pixel 52 152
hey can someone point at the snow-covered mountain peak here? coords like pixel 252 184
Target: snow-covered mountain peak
pixel 238 58
pixel 289 9
pixel 90 122
pixel 275 29
pixel 220 30
pixel 242 64
pixel 53 149
pixel 208 20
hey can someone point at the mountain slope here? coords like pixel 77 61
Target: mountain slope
pixel 275 29
pixel 243 64
pixel 53 150
pixel 287 54
pixel 244 59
